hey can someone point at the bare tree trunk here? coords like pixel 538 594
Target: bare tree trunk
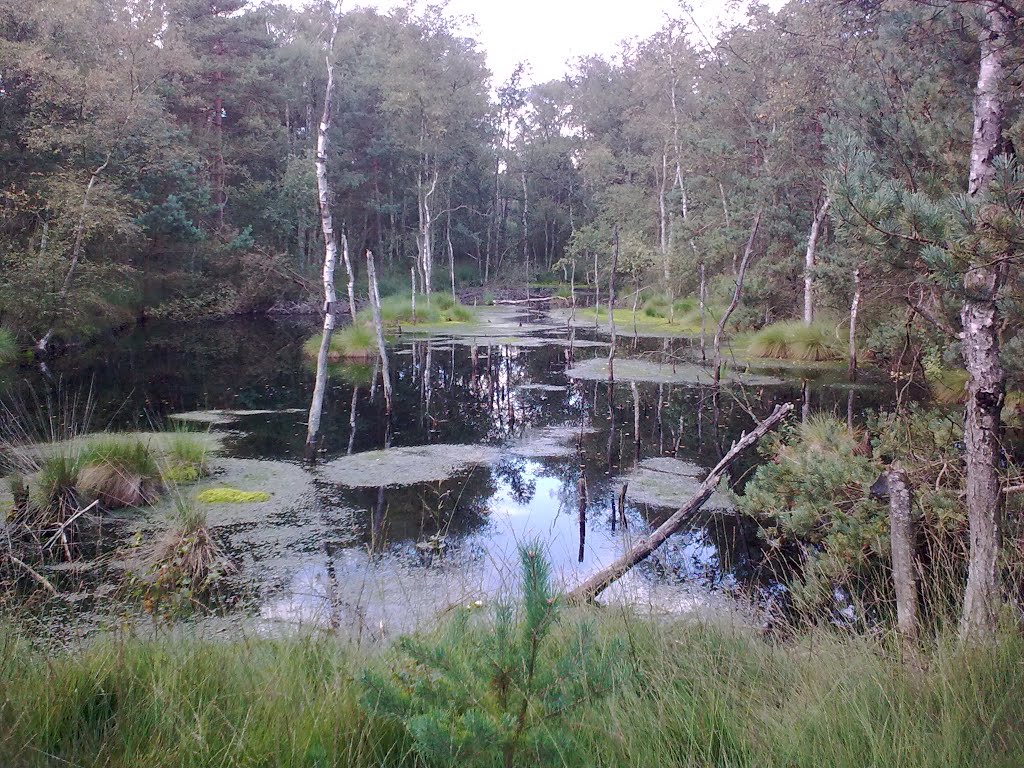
pixel 611 305
pixel 809 260
pixel 351 276
pixel 451 254
pixel 526 233
pixel 703 316
pixel 323 186
pixel 747 252
pixel 663 221
pixel 851 368
pixel 980 338
pixel 598 582
pixel 378 326
pixel 426 230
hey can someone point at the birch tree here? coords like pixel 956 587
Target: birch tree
pixel 323 186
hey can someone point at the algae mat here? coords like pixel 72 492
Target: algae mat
pixel 406 465
pixel 668 482
pixel 627 369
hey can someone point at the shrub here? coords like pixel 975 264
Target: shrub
pixel 793 340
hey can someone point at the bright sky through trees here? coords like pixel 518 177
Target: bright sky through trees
pixel 547 33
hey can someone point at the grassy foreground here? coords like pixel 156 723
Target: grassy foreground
pixel 682 695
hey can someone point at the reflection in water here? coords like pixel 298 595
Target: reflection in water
pixel 381 557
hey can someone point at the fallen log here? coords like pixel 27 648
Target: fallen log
pixel 598 582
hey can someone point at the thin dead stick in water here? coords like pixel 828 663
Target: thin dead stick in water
pixel 600 581
pixel 66 523
pixel 34 574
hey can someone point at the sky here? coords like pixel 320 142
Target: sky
pixel 547 33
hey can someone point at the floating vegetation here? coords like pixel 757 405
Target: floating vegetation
pixel 551 442
pixel 406 465
pixel 231 496
pixel 222 417
pixel 596 369
pixel 667 482
pixel 794 340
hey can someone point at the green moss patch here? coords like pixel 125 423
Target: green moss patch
pixel 232 496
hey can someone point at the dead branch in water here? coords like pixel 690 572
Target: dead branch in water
pixel 640 551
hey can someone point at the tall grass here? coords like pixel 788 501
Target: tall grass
pixel 685 694
pixel 793 340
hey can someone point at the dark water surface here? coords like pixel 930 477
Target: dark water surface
pixel 376 551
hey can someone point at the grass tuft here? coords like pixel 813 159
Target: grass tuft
pixel 353 342
pixel 119 471
pixel 793 340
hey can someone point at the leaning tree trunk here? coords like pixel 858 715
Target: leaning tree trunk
pixel 809 260
pixel 980 338
pixel 323 186
pixel 642 549
pixel 747 252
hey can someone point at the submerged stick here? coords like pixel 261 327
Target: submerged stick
pixel 640 551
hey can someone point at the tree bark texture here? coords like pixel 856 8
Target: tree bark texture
pixel 980 339
pixel 901 534
pixel 851 366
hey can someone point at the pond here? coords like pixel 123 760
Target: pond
pixel 401 518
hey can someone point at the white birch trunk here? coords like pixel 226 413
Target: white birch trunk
pixel 809 260
pixel 330 254
pixel 378 327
